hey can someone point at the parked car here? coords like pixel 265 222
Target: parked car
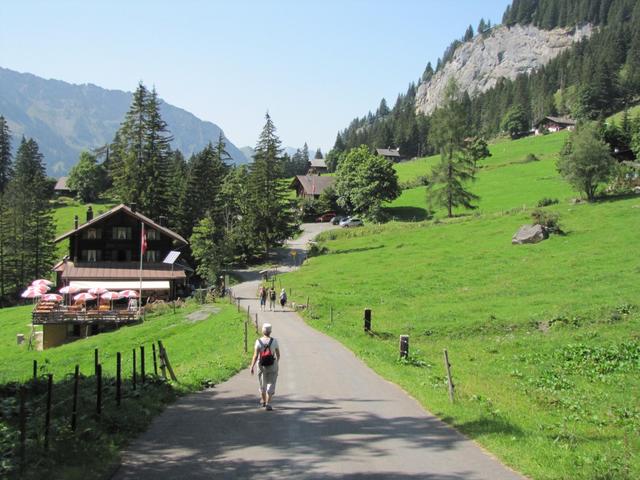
pixel 336 220
pixel 351 222
pixel 326 217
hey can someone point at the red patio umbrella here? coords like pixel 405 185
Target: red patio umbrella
pixel 83 297
pixel 32 292
pixel 52 297
pixel 70 289
pixel 98 290
pixel 128 294
pixel 111 296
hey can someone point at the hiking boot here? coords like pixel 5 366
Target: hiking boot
pixel 268 407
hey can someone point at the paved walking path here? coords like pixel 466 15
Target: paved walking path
pixel 333 418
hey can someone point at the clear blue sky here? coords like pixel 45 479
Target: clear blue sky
pixel 315 65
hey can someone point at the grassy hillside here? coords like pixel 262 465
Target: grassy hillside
pixel 617 118
pixel 204 352
pixel 544 339
pixel 505 180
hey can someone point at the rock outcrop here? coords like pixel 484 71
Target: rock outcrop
pixel 504 53
pixel 530 234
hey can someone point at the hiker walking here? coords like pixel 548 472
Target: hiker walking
pixel 283 298
pixel 267 354
pixel 263 297
pixel 272 299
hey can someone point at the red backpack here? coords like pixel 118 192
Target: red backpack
pixel 266 355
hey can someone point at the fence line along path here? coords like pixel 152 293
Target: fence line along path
pixel 333 418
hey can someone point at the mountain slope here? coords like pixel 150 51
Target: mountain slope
pixel 65 118
pixel 505 52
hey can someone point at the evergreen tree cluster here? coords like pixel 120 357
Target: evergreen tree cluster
pixel 548 14
pixel 399 127
pixel 27 227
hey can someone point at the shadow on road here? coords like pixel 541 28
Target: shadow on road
pixel 298 434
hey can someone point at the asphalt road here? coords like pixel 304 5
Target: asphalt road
pixel 333 418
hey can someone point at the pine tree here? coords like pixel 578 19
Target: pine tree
pixel 318 155
pixel 5 154
pixel 468 34
pixel 6 172
pixel 206 172
pixel 448 132
pixel 128 150
pixel 272 216
pixel 157 154
pixel 30 248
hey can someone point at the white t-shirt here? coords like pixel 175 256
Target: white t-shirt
pixel 265 342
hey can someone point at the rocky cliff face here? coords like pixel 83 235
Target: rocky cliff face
pixel 505 52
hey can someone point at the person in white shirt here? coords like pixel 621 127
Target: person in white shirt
pixel 266 353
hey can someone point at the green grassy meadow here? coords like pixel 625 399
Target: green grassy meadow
pixel 201 353
pixel 504 181
pixel 544 339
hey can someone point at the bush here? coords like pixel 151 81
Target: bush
pixel 531 158
pixel 549 220
pixel 545 202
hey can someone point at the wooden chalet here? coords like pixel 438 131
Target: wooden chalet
pixel 311 186
pixel 62 189
pixel 391 154
pixel 554 124
pixel 105 252
pixel 317 166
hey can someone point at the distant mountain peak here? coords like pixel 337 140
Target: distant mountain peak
pixel 66 118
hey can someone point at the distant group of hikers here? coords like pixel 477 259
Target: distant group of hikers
pixel 266 351
pixel 265 293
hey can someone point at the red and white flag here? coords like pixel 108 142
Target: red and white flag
pixel 143 242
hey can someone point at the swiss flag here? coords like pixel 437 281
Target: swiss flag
pixel 143 242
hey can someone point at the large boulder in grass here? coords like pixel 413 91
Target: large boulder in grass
pixel 530 234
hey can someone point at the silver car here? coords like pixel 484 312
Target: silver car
pixel 351 222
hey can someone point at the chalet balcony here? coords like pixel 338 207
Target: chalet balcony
pixel 61 314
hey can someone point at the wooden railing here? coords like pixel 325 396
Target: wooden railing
pixel 91 316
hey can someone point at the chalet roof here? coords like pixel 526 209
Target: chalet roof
pixel 313 184
pixel 61 184
pixel 318 163
pixel 559 120
pixel 121 271
pixel 137 215
pixel 388 152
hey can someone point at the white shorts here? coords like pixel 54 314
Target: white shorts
pixel 267 377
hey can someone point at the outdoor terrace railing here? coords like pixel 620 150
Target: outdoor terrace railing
pixel 90 316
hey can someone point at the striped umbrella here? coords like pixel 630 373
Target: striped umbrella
pixel 128 294
pixel 98 290
pixel 32 293
pixel 69 289
pixel 83 297
pixel 111 296
pixel 52 297
pixel 42 281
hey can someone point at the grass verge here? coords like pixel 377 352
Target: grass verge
pixel 202 353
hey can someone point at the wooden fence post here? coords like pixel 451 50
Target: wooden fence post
pixel 155 360
pixel 35 370
pixel 163 366
pixel 134 376
pixel 246 337
pixel 142 371
pixel 404 346
pixel 96 360
pixel 238 304
pixel 74 406
pixel 447 366
pixel 367 320
pixel 307 302
pixel 165 358
pixel 47 417
pixel 99 390
pixel 331 315
pixel 23 428
pixel 118 378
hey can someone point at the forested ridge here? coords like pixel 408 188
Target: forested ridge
pixel 594 78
